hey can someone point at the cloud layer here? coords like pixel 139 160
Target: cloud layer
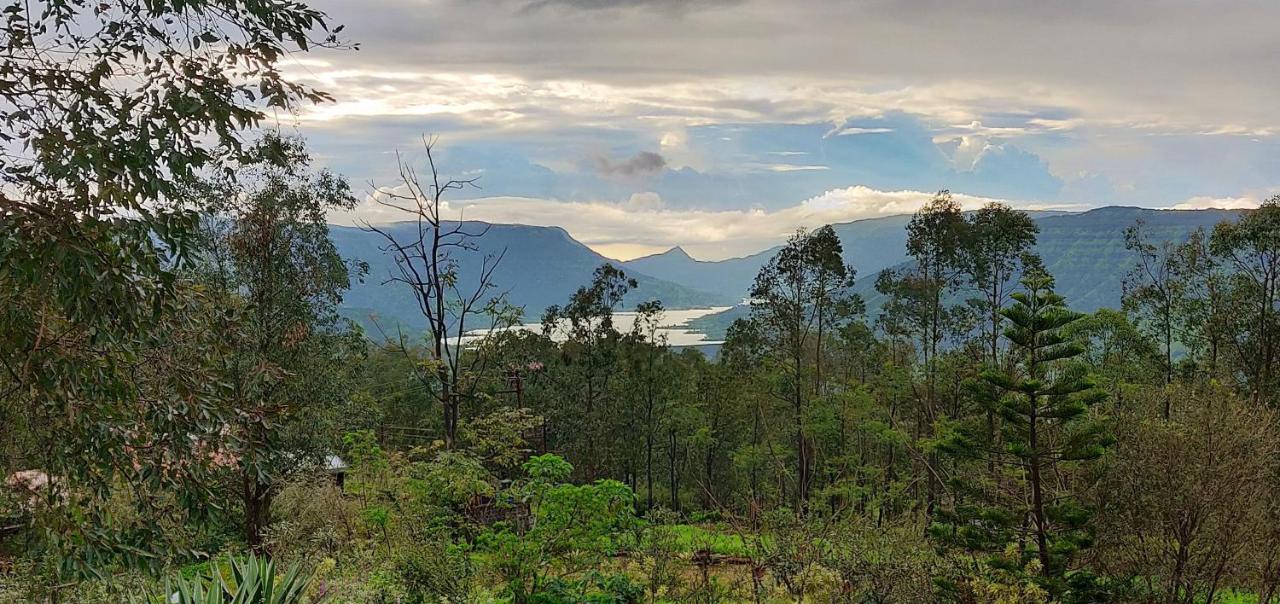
pixel 666 118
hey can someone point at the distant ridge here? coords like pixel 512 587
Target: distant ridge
pixel 542 266
pixel 545 265
pixel 1084 251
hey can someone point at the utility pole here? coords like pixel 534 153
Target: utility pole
pixel 515 385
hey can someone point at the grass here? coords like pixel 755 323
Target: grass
pixel 1237 597
pixel 694 537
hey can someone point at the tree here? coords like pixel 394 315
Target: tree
pixel 997 237
pixel 1182 502
pixel 648 357
pixel 1154 292
pixel 1251 251
pixel 589 351
pixel 1043 402
pixel 1202 314
pixel 936 238
pixel 1117 354
pixel 570 524
pixel 451 299
pixel 268 256
pixel 108 109
pixel 794 296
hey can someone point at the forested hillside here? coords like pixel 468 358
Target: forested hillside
pixel 543 265
pixel 1085 252
pixel 869 245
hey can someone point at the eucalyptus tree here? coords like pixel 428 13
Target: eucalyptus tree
pixel 1250 249
pixel 107 109
pixel 267 257
pixel 937 236
pixel 746 356
pixel 589 354
pixel 649 370
pixel 996 240
pixel 794 296
pixel 936 241
pixel 1203 310
pixel 453 297
pixel 1154 293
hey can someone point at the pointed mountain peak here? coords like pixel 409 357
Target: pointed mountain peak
pixel 678 252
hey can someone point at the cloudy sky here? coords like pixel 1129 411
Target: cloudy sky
pixel 721 125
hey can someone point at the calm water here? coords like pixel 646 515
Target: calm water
pixel 675 325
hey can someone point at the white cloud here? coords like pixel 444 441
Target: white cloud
pixel 795 168
pixel 854 130
pixel 1246 202
pixel 968 150
pixel 644 201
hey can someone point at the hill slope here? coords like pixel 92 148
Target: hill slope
pixel 1084 251
pixel 870 246
pixel 542 266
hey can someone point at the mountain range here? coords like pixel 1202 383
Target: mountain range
pixel 540 266
pixel 545 265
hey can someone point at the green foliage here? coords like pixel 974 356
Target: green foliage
pixel 254 580
pixel 367 463
pixel 571 528
pixel 498 438
pixel 1043 404
pixel 595 588
pixel 450 480
pixel 547 469
pixel 435 572
pixel 110 109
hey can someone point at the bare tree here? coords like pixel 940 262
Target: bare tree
pixel 428 260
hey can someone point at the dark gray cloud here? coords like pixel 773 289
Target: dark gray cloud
pixel 641 164
pixel 1180 60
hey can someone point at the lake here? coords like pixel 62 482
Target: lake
pixel 675 325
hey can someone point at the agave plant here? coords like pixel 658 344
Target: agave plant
pixel 254 579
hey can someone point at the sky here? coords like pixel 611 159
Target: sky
pixel 723 125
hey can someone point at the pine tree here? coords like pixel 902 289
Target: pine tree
pixel 1043 404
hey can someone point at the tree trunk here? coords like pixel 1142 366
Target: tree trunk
pixel 675 486
pixel 257 509
pixel 1037 495
pixel 648 466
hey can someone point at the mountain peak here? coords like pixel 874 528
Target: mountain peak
pixel 677 252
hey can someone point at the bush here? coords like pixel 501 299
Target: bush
pixel 312 520
pixel 595 588
pixel 659 553
pixel 882 564
pixel 572 527
pixel 435 572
